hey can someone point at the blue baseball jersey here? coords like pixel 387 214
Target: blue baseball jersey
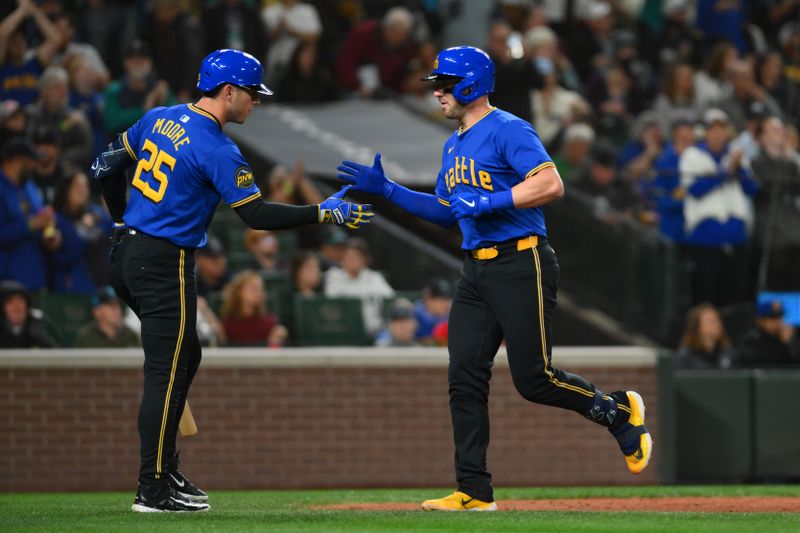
pixel 185 165
pixel 493 155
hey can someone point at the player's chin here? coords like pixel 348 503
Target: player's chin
pixel 241 118
pixel 449 112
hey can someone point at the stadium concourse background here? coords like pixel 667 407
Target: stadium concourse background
pixel 305 417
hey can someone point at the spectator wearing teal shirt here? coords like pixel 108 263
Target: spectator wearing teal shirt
pixel 138 91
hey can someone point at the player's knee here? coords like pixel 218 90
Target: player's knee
pixel 466 380
pixel 533 388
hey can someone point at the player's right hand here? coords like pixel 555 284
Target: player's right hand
pixel 368 179
pixel 337 211
pixel 117 233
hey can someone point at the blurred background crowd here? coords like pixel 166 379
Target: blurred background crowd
pixel 676 115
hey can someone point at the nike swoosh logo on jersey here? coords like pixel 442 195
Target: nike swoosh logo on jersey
pixel 451 149
pixel 471 204
pixel 177 481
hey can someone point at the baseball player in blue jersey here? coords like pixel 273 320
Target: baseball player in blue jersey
pixel 184 165
pixel 495 178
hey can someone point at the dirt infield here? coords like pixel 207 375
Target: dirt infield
pixel 744 504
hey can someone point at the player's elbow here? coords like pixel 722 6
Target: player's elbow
pixel 557 188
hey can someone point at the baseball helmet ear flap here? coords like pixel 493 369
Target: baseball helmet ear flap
pixel 234 67
pixel 471 65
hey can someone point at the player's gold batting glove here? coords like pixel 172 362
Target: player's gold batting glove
pixel 337 211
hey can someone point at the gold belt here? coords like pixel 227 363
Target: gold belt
pixel 525 243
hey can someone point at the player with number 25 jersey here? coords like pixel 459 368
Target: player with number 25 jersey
pixel 182 166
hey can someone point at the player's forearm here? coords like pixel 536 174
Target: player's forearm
pixel 109 168
pixel 423 205
pixel 259 214
pixel 539 189
pixel 114 188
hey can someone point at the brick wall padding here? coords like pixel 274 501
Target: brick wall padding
pixel 294 420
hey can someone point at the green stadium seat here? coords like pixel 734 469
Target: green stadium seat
pixel 321 321
pixel 69 311
pixel 279 291
pixel 287 242
pixel 214 299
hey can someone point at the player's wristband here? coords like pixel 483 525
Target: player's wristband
pixel 388 188
pixel 501 200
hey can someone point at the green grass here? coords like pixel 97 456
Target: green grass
pixel 288 511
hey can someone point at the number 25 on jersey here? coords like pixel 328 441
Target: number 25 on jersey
pixel 152 166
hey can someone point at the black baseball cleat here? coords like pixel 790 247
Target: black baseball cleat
pixel 185 488
pixel 164 500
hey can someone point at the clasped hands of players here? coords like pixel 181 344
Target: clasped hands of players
pixel 337 211
pixel 463 204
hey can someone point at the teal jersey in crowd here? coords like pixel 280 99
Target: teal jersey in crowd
pixel 494 154
pixel 185 165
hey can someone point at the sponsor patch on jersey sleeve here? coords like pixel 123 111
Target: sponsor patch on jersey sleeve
pixel 244 177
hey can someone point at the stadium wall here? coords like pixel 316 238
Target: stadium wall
pixel 304 418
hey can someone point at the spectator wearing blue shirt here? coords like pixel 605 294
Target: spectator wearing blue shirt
pixel 665 192
pixel 433 308
pixel 20 68
pixel 638 153
pixel 718 213
pixel 26 225
pixel 723 19
pixel 84 226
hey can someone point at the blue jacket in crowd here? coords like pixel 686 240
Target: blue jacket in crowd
pixel 70 272
pixel 712 232
pixel 21 254
pixel 662 192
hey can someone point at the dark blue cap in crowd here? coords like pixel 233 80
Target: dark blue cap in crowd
pixel 104 295
pixel 439 288
pixel 769 309
pixel 19 147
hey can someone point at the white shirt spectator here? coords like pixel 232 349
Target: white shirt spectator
pixel 561 107
pixel 284 24
pixel 370 286
pixel 722 203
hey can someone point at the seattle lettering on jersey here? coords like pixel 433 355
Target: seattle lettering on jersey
pixel 493 155
pixel 458 174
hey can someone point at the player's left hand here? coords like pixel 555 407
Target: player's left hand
pixel 470 204
pixel 337 211
pixel 364 178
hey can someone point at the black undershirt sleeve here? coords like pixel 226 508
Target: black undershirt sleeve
pixel 114 188
pixel 259 214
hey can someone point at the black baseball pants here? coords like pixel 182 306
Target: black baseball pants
pixel 510 297
pixel 156 280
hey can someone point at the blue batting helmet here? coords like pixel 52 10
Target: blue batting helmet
pixel 234 67
pixel 471 68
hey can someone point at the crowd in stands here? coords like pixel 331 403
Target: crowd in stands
pixel 680 115
pixel 770 343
